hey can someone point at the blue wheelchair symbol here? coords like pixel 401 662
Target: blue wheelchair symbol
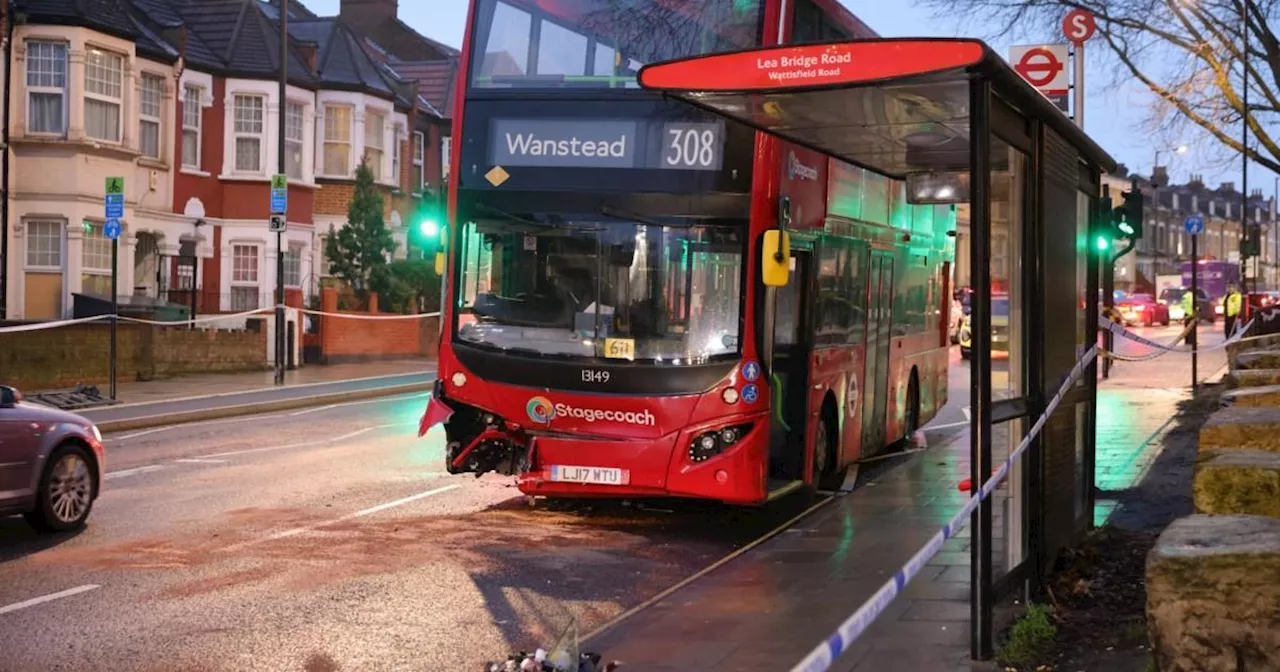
pixel 750 394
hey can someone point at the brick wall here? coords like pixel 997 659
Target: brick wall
pixel 61 357
pixel 350 339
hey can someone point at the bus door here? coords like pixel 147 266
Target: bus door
pixel 875 380
pixel 791 346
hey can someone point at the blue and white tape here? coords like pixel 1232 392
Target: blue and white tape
pixel 830 649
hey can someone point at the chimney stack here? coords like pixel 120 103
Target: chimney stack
pixel 1227 187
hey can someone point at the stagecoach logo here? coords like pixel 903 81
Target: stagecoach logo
pixel 543 411
pixel 795 169
pixel 540 410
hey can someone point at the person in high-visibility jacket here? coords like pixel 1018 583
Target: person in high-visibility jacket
pixel 1191 317
pixel 1234 301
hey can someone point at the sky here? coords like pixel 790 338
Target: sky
pixel 1113 113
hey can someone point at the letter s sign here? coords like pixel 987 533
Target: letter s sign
pixel 1079 26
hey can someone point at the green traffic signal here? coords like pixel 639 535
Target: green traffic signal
pixel 429 228
pixel 1101 243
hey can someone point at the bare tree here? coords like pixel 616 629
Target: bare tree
pixel 1189 53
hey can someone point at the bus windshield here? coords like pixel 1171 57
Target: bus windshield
pixel 600 43
pixel 601 289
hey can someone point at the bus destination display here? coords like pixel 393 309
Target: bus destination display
pixel 612 143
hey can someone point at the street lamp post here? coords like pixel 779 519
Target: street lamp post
pixel 1244 146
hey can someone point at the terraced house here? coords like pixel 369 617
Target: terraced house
pixel 180 97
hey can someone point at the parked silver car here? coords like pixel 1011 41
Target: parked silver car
pixel 51 463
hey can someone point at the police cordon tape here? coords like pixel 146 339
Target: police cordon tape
pixel 1236 337
pixel 829 650
pixel 264 312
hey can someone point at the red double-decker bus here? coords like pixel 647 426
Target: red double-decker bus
pixel 609 328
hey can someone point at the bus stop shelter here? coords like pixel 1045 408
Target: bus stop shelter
pixel 951 119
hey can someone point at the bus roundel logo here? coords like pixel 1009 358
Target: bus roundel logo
pixel 750 394
pixel 751 371
pixel 540 410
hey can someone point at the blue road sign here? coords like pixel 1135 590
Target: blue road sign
pixel 1194 224
pixel 750 394
pixel 751 371
pixel 115 206
pixel 112 229
pixel 279 201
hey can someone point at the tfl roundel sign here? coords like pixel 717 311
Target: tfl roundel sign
pixel 1078 26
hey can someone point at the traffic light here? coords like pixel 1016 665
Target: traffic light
pixel 1128 218
pixel 1104 232
pixel 1251 242
pixel 429 231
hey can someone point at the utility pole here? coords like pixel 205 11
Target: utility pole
pixel 1244 150
pixel 281 111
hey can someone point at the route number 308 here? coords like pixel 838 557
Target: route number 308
pixel 691 147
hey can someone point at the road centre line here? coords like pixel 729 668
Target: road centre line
pixel 342 519
pixel 135 471
pixel 16 606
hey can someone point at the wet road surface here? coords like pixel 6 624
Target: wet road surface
pixel 331 539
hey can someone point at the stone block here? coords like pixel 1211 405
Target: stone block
pixel 1257 359
pixel 1267 395
pixel 1213 594
pixel 1253 377
pixel 1238 481
pixel 1242 427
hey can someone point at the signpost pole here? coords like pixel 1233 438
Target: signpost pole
pixel 1195 314
pixel 113 202
pixel 115 309
pixel 282 111
pixel 1079 25
pixel 1078 71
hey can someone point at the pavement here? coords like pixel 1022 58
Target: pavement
pixel 770 607
pixel 204 397
pixel 330 538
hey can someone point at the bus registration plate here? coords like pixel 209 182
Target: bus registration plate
pixel 597 475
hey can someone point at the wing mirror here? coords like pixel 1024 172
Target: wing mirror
pixel 775 249
pixel 9 396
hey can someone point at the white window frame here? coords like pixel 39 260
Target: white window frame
pixel 60 91
pixel 237 135
pixel 59 228
pixel 419 156
pixel 95 247
pixel 396 154
pixel 375 128
pixel 446 148
pixel 190 91
pixel 155 120
pixel 104 98
pixel 255 254
pixel 293 257
pixel 299 143
pixel 349 142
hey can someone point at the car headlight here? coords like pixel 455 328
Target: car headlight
pixel 97 435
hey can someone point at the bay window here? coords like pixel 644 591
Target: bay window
pixel 46 87
pixel 248 133
pixel 103 94
pixel 95 262
pixel 419 152
pixel 149 106
pixel 337 140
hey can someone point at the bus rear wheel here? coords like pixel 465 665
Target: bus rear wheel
pixel 826 459
pixel 912 419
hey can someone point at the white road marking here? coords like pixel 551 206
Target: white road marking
pixel 350 435
pixel 967 413
pixel 265 449
pixel 48 598
pixel 949 425
pixel 135 471
pixel 142 433
pixel 342 519
pixel 312 410
pixel 196 460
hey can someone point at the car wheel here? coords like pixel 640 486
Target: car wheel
pixel 66 492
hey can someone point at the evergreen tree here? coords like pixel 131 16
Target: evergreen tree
pixel 358 252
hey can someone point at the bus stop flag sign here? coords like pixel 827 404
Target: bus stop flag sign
pixel 1044 66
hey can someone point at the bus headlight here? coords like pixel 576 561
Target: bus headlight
pixel 709 444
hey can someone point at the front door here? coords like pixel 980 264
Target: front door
pixel 790 375
pixel 875 381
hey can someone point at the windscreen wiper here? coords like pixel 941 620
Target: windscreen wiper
pixel 609 211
